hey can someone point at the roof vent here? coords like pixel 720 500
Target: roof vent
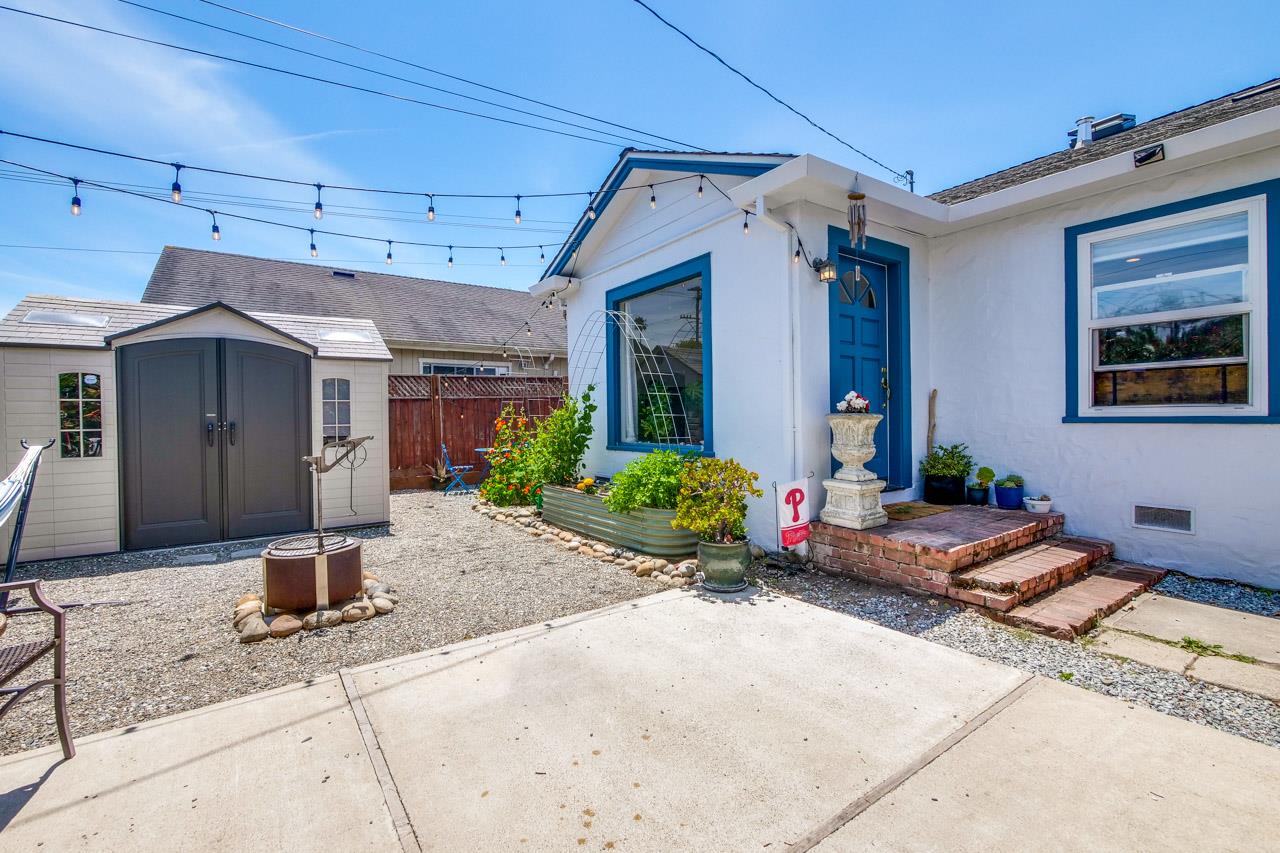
pixel 66 318
pixel 1170 518
pixel 1262 89
pixel 1083 134
pixel 343 274
pixel 1089 129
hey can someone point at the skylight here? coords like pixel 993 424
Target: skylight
pixel 346 336
pixel 66 318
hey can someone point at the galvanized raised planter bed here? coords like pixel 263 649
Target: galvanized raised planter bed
pixel 646 531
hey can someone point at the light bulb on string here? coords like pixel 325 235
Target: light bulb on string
pixel 75 197
pixel 388 253
pixel 450 257
pixel 795 259
pixel 319 209
pixel 175 191
pixel 653 198
pixel 431 208
pixel 699 186
pixel 217 232
pixel 528 330
pixel 746 225
pixel 517 210
pixel 542 255
pixel 314 252
pixel 502 257
pixel 591 211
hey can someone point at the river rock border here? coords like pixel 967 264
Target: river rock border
pixel 660 571
pixel 255 622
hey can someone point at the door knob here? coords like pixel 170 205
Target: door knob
pixel 884 384
pixel 231 432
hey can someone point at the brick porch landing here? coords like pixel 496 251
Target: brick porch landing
pixel 1014 565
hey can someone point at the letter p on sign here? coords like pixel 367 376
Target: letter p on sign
pixel 793 512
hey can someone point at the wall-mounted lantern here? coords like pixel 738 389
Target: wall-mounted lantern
pixel 825 269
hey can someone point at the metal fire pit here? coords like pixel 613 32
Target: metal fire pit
pixel 315 570
pixel 297 575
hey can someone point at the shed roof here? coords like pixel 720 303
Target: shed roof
pixel 1220 109
pixel 412 310
pixel 330 337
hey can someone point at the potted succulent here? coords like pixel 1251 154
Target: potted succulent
pixel 979 492
pixel 1009 492
pixel 945 470
pixel 1042 504
pixel 713 504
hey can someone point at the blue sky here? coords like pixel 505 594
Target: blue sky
pixel 953 91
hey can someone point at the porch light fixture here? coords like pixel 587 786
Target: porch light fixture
pixel 175 191
pixel 75 197
pixel 825 269
pixel 319 209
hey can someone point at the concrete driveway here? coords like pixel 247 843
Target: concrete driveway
pixel 680 721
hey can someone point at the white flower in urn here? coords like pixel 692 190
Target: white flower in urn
pixel 853 404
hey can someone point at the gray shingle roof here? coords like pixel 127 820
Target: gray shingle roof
pixel 1159 129
pixel 125 316
pixel 406 309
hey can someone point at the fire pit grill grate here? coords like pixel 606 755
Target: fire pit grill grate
pixel 305 545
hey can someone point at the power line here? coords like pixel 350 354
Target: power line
pixel 905 176
pixel 375 71
pixel 405 62
pixel 298 74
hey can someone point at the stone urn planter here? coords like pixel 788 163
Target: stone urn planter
pixel 853 492
pixel 724 565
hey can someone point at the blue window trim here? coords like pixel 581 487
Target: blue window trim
pixel 1270 189
pixel 699 266
pixel 606 194
pixel 897 261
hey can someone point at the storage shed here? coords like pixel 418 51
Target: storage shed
pixel 177 425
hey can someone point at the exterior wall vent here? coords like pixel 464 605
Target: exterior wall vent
pixel 1168 518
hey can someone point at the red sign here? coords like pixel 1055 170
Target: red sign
pixel 793 512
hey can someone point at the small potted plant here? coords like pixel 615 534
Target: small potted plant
pixel 713 504
pixel 1009 492
pixel 945 470
pixel 979 492
pixel 1042 504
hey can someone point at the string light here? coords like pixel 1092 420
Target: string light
pixel 542 256
pixel 175 191
pixel 314 253
pixel 503 258
pixel 517 210
pixel 388 253
pixel 217 232
pixel 75 197
pixel 528 330
pixel 591 211
pixel 746 225
pixel 431 208
pixel 319 211
pixel 700 186
pixel 653 199
pixel 450 257
pixel 795 259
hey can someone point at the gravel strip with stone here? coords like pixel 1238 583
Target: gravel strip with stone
pixel 940 622
pixel 172 647
pixel 1250 599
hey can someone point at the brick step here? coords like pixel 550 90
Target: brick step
pixel 1032 570
pixel 1075 609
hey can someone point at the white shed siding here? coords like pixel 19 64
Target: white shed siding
pixel 999 364
pixel 362 496
pixel 75 508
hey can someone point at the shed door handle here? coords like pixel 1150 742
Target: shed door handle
pixel 232 432
pixel 208 432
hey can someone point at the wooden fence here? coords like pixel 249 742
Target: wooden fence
pixel 458 411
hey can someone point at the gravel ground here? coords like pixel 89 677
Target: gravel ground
pixel 1250 599
pixel 172 648
pixel 941 622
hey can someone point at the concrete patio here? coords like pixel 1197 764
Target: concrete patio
pixel 679 721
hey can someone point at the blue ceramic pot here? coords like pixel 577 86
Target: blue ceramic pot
pixel 1009 497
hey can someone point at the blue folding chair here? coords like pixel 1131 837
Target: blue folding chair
pixel 456 473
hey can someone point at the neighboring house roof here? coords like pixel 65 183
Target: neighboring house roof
pixel 1224 108
pixel 419 311
pixel 96 322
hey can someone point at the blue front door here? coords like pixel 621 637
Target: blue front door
pixel 858 304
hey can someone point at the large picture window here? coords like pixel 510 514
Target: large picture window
pixel 1173 313
pixel 79 415
pixel 660 361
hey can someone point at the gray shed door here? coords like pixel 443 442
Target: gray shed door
pixel 212 436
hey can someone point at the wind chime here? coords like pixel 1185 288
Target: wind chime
pixel 860 289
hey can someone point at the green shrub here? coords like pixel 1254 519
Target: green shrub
pixel 713 499
pixel 561 441
pixel 652 480
pixel 947 460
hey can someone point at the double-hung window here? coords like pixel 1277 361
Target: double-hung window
pixel 1173 314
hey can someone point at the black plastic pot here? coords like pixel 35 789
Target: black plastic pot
pixel 941 489
pixel 977 496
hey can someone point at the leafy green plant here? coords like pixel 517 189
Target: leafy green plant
pixel 984 477
pixel 1011 481
pixel 561 441
pixel 947 460
pixel 652 480
pixel 713 499
pixel 512 479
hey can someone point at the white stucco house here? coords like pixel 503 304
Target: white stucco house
pixel 1101 320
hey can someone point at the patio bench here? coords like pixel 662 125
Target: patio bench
pixel 16 657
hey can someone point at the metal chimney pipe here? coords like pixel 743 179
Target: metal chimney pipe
pixel 1084 132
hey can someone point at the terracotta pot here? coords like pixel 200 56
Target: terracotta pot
pixel 723 566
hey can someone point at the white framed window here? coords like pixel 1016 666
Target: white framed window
pixel 448 367
pixel 79 415
pixel 1173 314
pixel 335 406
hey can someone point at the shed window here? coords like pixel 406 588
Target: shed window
pixel 1175 312
pixel 80 414
pixel 335 401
